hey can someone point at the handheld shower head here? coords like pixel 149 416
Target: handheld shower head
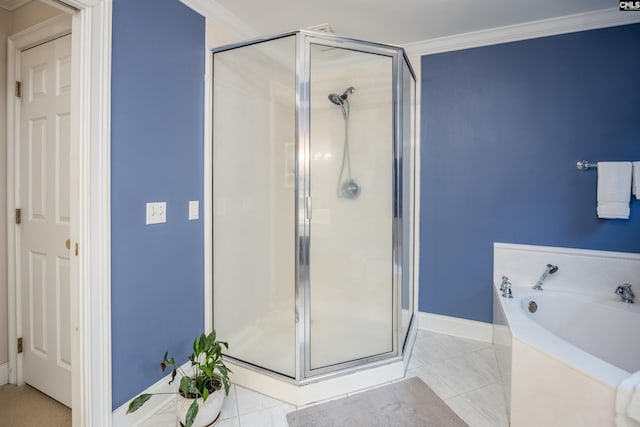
pixel 336 99
pixel 340 99
pixel 549 270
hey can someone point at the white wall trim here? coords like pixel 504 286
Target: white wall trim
pixel 42 32
pixel 153 405
pixel 4 374
pixel 12 299
pixel 82 4
pixel 215 11
pixel 610 17
pixel 92 385
pixel 63 7
pixel 456 326
pixel 12 4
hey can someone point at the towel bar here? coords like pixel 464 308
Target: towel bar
pixel 583 165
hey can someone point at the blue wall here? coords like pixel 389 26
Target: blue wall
pixel 502 129
pixel 157 154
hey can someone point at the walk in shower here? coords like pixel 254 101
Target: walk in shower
pixel 313 193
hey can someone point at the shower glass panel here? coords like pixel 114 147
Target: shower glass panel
pixel 407 198
pixel 254 203
pixel 351 172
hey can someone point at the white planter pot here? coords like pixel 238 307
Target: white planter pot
pixel 208 411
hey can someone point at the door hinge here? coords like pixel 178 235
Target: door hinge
pixel 19 89
pixel 19 345
pixel 18 216
pixel 76 248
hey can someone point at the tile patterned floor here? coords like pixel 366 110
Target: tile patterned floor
pixel 462 372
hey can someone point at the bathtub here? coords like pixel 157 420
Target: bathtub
pixel 561 364
pixel 606 329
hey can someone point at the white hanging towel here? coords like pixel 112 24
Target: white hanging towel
pixel 614 189
pixel 628 402
pixel 635 187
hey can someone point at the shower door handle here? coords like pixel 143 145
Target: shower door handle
pixel 307 207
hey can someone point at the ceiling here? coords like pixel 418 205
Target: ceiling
pixel 399 21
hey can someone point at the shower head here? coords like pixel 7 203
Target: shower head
pixel 347 91
pixel 336 99
pixel 552 268
pixel 339 99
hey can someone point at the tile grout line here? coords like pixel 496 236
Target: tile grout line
pixel 237 405
pixel 490 422
pixel 475 407
pixel 478 388
pixel 251 411
pixel 498 382
pixel 425 363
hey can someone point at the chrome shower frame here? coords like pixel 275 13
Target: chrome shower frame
pixel 402 343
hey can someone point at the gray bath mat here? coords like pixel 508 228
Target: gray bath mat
pixel 402 404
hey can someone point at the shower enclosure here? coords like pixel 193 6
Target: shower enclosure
pixel 313 187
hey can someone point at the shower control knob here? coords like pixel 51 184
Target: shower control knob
pixel 351 189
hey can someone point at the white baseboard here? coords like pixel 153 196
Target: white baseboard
pixel 455 326
pixel 4 374
pixel 119 417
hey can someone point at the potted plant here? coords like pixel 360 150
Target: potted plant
pixel 200 395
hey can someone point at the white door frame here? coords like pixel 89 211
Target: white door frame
pixel 90 205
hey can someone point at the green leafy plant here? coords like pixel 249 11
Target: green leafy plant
pixel 209 374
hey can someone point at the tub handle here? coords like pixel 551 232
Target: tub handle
pixel 505 280
pixel 508 291
pixel 505 287
pixel 625 292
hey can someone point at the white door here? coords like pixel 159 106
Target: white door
pixel 43 197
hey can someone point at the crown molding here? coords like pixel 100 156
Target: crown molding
pixel 12 4
pixel 213 10
pixel 603 18
pixel 67 6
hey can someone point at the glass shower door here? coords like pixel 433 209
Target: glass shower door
pixel 254 203
pixel 351 180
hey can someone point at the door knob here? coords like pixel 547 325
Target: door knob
pixel 68 244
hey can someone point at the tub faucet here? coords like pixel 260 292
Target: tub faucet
pixel 550 270
pixel 505 288
pixel 626 293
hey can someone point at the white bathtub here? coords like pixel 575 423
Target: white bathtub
pixel 605 328
pixel 562 364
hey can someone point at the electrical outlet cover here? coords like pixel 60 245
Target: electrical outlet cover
pixel 156 212
pixel 194 209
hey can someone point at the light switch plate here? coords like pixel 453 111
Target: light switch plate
pixel 194 209
pixel 156 212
